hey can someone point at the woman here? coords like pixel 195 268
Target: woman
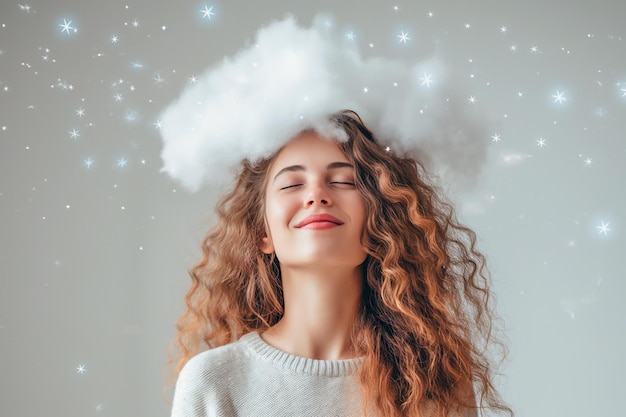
pixel 336 283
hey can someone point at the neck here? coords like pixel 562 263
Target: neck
pixel 321 307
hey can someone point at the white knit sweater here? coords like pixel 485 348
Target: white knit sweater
pixel 251 378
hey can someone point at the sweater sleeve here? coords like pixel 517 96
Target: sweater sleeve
pixel 190 392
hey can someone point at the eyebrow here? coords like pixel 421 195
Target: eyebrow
pixel 293 168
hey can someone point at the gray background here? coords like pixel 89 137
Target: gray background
pixel 93 255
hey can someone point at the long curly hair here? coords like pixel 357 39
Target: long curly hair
pixel 426 324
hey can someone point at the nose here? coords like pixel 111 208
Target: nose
pixel 318 195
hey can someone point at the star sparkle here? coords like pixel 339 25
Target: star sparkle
pixel 121 162
pixel 403 37
pixel 67 27
pixel 426 80
pixel 603 228
pixel 496 138
pixel 588 161
pixel 74 134
pixel 80 369
pixel 88 163
pixel 350 36
pixel 114 39
pixel 559 97
pixel 207 12
pixel 365 90
pixel 541 142
pixel 623 92
pixel 504 29
pixel 80 112
pixel 472 99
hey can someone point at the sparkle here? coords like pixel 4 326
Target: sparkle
pixel 193 79
pixel 67 26
pixel 519 94
pixel 559 97
pixel 403 37
pixel 74 134
pixel 350 36
pixel 122 162
pixel 114 39
pixel 118 97
pixel 80 369
pixel 135 23
pixel 88 162
pixel 533 49
pixel 365 89
pixel 157 79
pixel 426 79
pixel 207 12
pixel 24 7
pixel 624 92
pixel 496 138
pixel 158 124
pixel 80 112
pixel 430 14
pixel 163 27
pixel 588 161
pixel 99 408
pixel 541 142
pixel 504 29
pixel 467 26
pixel 513 48
pixel 472 99
pixel 603 228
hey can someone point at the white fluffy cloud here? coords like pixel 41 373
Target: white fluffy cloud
pixel 291 78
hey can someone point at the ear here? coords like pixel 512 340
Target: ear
pixel 267 246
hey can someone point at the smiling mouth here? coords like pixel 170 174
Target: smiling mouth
pixel 319 221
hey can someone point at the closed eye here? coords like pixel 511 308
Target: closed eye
pixel 290 186
pixel 343 183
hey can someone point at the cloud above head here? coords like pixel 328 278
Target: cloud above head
pixel 292 78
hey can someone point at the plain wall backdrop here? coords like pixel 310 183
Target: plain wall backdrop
pixel 95 241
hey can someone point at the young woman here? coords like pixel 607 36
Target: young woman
pixel 337 282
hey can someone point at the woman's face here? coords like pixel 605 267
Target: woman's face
pixel 314 213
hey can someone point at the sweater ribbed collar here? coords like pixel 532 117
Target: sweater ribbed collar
pixel 298 364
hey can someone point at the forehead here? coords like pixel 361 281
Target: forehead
pixel 308 149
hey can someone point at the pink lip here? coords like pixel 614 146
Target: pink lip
pixel 319 221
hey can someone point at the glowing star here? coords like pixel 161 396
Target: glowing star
pixel 135 23
pixel 80 112
pixel 559 97
pixel 163 27
pixel 426 80
pixel 67 26
pixel 624 90
pixel 207 12
pixel 472 99
pixel 88 162
pixel 504 29
pixel 533 49
pixel 541 142
pixel 158 124
pixel 430 14
pixel 350 36
pixel 403 37
pixel 122 162
pixel 193 79
pixel 80 369
pixel 365 90
pixel 467 26
pixel 157 79
pixel 603 228
pixel 74 134
pixel 513 48
pixel 118 97
pixel 114 39
pixel 588 161
pixel 496 138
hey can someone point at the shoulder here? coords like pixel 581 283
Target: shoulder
pixel 212 363
pixel 201 384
